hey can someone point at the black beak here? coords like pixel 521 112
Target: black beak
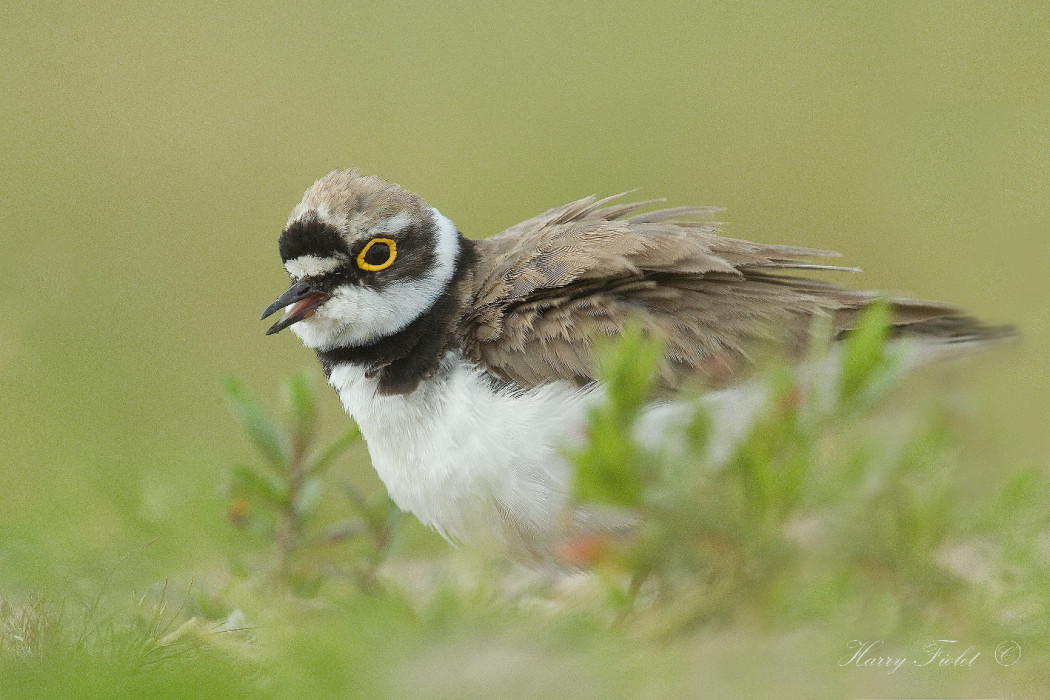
pixel 302 298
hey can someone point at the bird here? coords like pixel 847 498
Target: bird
pixel 468 365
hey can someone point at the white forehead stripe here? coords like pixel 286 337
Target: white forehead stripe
pixel 312 266
pixel 321 212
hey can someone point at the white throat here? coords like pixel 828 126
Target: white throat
pixel 357 316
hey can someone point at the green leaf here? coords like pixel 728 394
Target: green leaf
pixel 260 483
pixel 358 500
pixel 301 407
pixel 308 498
pixel 607 468
pixel 261 428
pixel 698 430
pixel 611 468
pixel 864 352
pixel 629 369
pixel 319 462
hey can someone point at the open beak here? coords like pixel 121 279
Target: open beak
pixel 300 299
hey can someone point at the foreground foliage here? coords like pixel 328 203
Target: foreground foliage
pixel 833 522
pixel 278 500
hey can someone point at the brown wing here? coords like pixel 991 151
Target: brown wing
pixel 545 287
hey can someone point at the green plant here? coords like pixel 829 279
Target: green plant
pixel 280 498
pixel 817 513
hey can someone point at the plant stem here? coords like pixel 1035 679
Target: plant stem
pixel 289 528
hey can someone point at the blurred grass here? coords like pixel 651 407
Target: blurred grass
pixel 153 151
pixel 813 530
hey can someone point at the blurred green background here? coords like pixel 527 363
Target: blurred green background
pixel 151 153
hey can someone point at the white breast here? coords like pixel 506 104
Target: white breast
pixel 473 461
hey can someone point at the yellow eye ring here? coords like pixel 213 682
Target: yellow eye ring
pixel 365 265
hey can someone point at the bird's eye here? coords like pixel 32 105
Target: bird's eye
pixel 379 254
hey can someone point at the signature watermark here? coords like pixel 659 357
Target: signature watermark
pixel 938 653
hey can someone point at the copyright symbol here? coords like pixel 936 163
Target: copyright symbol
pixel 1008 653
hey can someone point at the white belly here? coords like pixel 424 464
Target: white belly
pixel 481 464
pixel 474 462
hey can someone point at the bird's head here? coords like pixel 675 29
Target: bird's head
pixel 366 258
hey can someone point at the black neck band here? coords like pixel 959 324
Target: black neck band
pixel 402 360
